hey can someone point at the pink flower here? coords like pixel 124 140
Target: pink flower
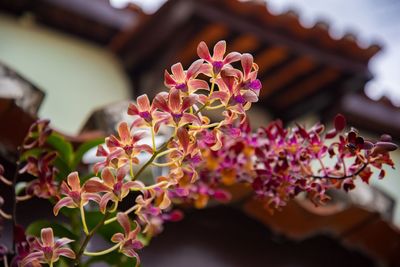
pixel 217 61
pixel 43 168
pixel 47 250
pixel 123 148
pixel 249 79
pixel 174 108
pixel 127 142
pixel 37 134
pixel 75 195
pixel 185 81
pixel 128 242
pixel 114 186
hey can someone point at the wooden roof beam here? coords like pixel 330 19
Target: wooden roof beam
pixel 306 88
pixel 277 80
pixel 210 34
pixel 274 38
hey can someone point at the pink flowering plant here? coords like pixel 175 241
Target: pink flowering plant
pixel 200 159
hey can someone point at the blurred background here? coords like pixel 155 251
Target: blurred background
pixel 78 62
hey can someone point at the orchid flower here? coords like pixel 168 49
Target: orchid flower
pixel 114 186
pixel 128 242
pixel 174 108
pixel 185 81
pixel 128 143
pixel 75 196
pixel 249 79
pixel 47 250
pixel 217 61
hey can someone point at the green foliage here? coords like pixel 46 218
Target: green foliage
pixel 59 229
pixel 68 159
pixel 82 149
pixel 62 146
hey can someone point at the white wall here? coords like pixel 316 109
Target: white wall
pixel 77 76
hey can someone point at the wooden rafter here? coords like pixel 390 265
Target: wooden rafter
pixel 283 76
pixel 307 87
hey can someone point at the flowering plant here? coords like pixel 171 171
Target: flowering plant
pixel 200 159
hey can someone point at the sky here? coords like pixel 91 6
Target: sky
pixel 372 21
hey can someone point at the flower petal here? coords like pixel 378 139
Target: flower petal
pixel 74 182
pixel 206 69
pixel 188 102
pixel 66 252
pixel 189 118
pixel 177 71
pixel 143 103
pixel 232 57
pixel 62 242
pixel 47 237
pixel 95 185
pixel 197 84
pixel 34 256
pixel 123 220
pixel 219 51
pixel 133 109
pixel 183 137
pixel 108 177
pixel 194 68
pixel 64 202
pixel 165 202
pixel 203 52
pixel 124 132
pixel 104 201
pixel 250 96
pixel 160 101
pixel 174 100
pixel 117 238
pixel 90 196
pixel 247 63
pixel 168 80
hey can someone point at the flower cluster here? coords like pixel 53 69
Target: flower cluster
pixel 40 166
pixel 211 82
pixel 199 159
pixel 281 163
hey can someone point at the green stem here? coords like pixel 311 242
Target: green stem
pixel 153 157
pixel 216 124
pixel 131 169
pixel 88 237
pixel 85 228
pixel 103 252
pixel 113 219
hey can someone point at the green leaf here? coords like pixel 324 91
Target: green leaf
pixel 83 148
pixel 59 229
pixel 62 146
pixel 63 169
pixel 34 152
